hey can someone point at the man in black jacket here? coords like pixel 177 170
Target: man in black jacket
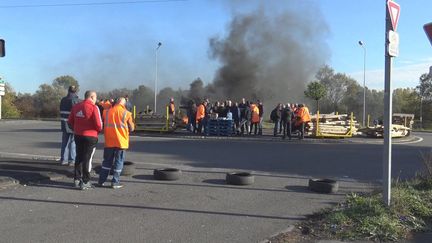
pixel 67 153
pixel 286 120
pixel 261 114
pixel 275 116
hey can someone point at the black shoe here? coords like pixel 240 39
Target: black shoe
pixel 99 184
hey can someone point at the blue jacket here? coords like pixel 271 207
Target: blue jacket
pixel 65 108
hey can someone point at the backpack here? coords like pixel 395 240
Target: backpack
pixel 273 115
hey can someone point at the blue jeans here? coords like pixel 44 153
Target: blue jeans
pixel 112 156
pixel 276 127
pixel 68 148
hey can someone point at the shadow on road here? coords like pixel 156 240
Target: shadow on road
pixel 31 170
pixel 181 210
pixel 210 183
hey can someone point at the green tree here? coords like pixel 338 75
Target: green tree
pixel 47 100
pixel 8 108
pixel 336 85
pixel 316 91
pixel 25 104
pixel 424 90
pixel 405 101
pixel 63 82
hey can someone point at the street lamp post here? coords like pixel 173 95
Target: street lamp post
pixel 364 81
pixel 156 78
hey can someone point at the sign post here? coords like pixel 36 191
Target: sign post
pixel 391 50
pixel 2 92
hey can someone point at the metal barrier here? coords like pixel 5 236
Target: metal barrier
pixel 153 122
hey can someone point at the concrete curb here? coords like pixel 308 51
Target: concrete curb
pixel 8 155
pixel 295 140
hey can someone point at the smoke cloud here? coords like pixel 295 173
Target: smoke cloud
pixel 268 55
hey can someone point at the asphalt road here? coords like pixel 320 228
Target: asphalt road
pixel 359 159
pixel 200 207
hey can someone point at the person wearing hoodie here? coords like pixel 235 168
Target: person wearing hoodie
pixel 86 122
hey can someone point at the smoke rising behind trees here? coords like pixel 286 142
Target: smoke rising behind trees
pixel 268 55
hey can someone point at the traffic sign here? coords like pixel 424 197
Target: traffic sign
pixel 394 10
pixel 2 89
pixel 393 45
pixel 428 30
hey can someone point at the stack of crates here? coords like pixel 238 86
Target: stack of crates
pixel 213 128
pixel 221 127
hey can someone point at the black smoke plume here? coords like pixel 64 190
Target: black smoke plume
pixel 270 56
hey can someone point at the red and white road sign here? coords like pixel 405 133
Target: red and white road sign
pixel 394 10
pixel 428 30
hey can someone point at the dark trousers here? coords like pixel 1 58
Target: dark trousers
pixel 300 128
pixel 256 128
pixel 200 125
pixel 287 127
pixel 85 149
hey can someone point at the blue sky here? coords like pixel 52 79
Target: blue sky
pixel 113 46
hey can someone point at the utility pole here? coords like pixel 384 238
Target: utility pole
pixel 361 43
pixel 156 78
pixel 391 50
pixel 387 117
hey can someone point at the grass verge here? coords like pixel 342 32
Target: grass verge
pixel 366 217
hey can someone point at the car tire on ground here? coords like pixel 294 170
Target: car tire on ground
pixel 323 185
pixel 167 174
pixel 240 178
pixel 128 168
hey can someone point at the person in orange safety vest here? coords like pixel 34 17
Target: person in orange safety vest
pixel 302 118
pixel 255 117
pixel 200 115
pixel 171 107
pixel 171 111
pixel 118 122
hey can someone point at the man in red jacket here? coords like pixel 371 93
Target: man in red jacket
pixel 85 120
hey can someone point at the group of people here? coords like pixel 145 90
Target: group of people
pixel 247 116
pixel 81 123
pixel 290 118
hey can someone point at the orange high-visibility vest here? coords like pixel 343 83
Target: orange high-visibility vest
pixel 303 115
pixel 172 108
pixel 106 105
pixel 117 123
pixel 200 112
pixel 255 113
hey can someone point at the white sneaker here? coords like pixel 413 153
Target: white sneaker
pixel 64 163
pixel 77 183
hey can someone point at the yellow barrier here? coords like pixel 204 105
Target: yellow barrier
pixel 165 125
